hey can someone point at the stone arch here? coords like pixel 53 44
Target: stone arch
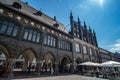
pixel 5 51
pixel 5 57
pixel 78 60
pixel 48 62
pixel 30 49
pixel 67 57
pixel 26 59
pixel 49 55
pixel 65 63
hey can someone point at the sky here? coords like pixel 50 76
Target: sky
pixel 101 15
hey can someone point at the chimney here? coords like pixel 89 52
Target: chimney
pixel 54 18
pixel 26 3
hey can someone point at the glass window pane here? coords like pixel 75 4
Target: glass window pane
pixel 38 37
pixel 90 51
pixel 34 36
pixel 15 31
pixel 48 43
pixel 51 41
pixel 9 30
pixel 25 34
pixel 45 40
pixel 3 29
pixel 30 35
pixel 54 42
pixel 77 47
pixel 59 44
pixel 84 49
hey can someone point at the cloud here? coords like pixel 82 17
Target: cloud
pixel 88 3
pixel 115 47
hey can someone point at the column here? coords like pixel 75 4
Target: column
pixel 56 67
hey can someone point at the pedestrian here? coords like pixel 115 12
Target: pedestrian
pixel 29 68
pixel 97 72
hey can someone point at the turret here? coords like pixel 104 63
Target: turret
pixel 80 28
pixel 85 32
pixel 72 24
pixel 95 39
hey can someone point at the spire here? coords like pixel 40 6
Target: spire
pixel 78 20
pixel 71 23
pixel 85 25
pixel 90 29
pixel 71 14
pixel 94 32
pixel 95 39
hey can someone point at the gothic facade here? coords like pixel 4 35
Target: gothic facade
pixel 31 39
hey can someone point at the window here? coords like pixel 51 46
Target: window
pixel 31 35
pixel 8 28
pixel 54 42
pixel 25 34
pixel 34 36
pixel 77 47
pixel 4 27
pixel 64 45
pixel 95 53
pixel 50 40
pixel 45 40
pixel 38 37
pixel 15 30
pixel 84 50
pixel 90 51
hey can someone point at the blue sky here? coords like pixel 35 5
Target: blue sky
pixel 101 15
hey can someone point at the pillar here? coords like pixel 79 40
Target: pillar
pixel 56 67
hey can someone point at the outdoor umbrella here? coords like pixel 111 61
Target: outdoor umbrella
pixel 110 63
pixel 87 63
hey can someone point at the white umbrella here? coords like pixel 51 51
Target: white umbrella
pixel 110 63
pixel 97 64
pixel 87 64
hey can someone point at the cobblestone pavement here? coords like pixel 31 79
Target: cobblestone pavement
pixel 58 77
pixel 66 77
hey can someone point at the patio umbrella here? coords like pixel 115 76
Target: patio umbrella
pixel 110 63
pixel 97 64
pixel 87 63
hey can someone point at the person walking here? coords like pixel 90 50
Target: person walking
pixel 97 72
